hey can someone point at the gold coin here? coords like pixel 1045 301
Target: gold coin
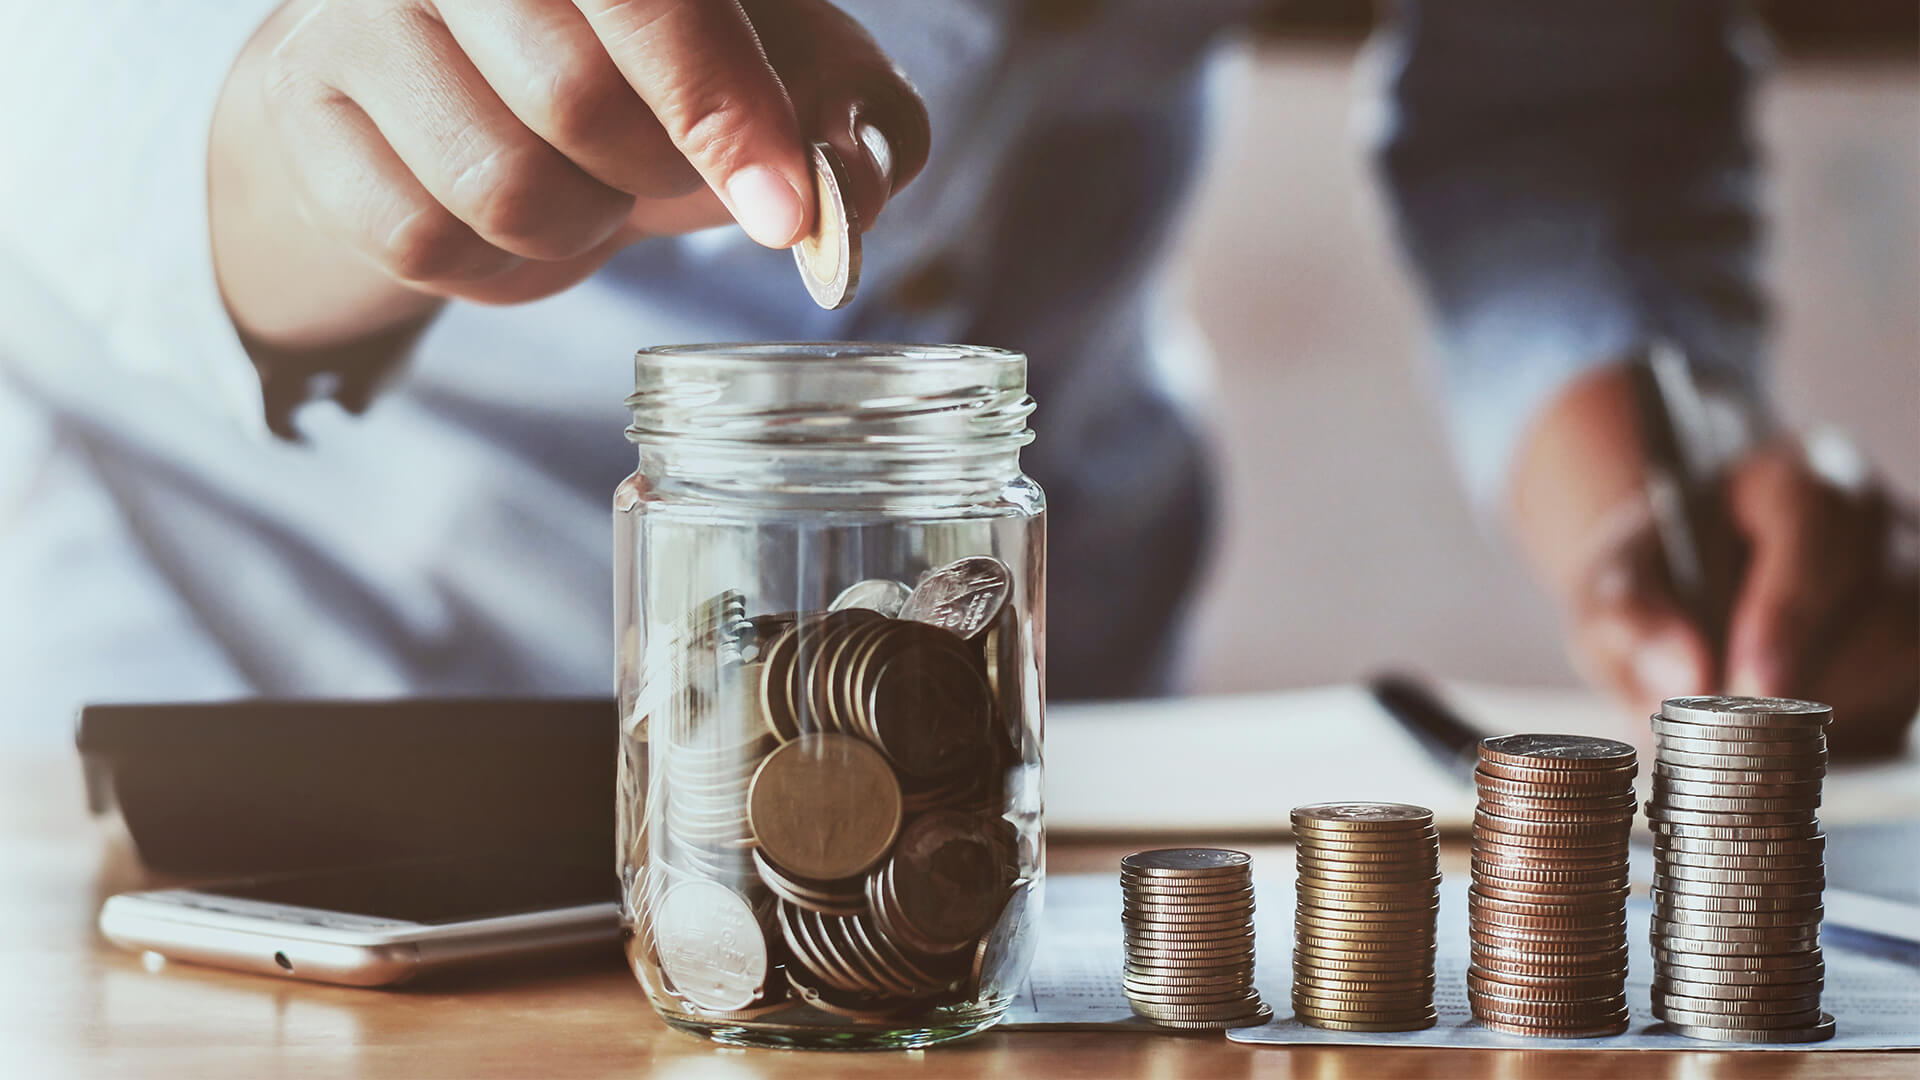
pixel 1410 1025
pixel 1363 816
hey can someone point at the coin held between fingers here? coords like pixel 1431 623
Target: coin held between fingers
pixel 829 257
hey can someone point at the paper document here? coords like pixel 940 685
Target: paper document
pixel 1238 763
pixel 1234 763
pixel 1873 984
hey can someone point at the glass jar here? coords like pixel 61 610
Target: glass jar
pixel 830 580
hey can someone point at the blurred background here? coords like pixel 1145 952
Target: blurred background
pixel 1363 552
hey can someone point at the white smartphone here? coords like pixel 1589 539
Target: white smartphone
pixel 373 925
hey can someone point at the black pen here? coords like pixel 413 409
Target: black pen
pixel 1444 734
pixel 1697 542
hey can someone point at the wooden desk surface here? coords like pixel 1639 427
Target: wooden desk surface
pixel 72 1006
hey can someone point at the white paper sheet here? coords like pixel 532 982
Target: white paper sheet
pixel 1237 763
pixel 1234 763
pixel 1873 984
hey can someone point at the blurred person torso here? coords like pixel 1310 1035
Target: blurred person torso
pixel 455 539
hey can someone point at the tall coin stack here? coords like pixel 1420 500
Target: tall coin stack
pixel 1188 916
pixel 1739 867
pixel 1367 897
pixel 1548 905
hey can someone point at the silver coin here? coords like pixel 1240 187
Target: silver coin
pixel 829 257
pixel 1821 1030
pixel 1558 751
pixel 1727 711
pixel 964 597
pixel 711 946
pixel 1187 862
pixel 1742 762
pixel 875 594
pixel 1733 809
pixel 1756 746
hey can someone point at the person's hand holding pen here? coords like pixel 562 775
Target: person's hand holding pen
pixel 1824 597
pixel 370 158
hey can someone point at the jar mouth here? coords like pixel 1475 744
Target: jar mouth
pixel 831 394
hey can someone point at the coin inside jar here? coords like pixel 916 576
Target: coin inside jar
pixel 963 597
pixel 945 883
pixel 710 946
pixel 824 807
pixel 925 701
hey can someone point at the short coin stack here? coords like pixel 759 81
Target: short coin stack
pixel 1367 897
pixel 1548 904
pixel 1739 868
pixel 1188 916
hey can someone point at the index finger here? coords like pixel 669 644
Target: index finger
pixel 699 65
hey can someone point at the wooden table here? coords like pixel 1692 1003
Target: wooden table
pixel 72 1006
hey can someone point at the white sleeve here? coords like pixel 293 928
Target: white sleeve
pixel 103 197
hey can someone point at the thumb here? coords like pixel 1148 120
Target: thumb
pixel 700 67
pixel 1632 634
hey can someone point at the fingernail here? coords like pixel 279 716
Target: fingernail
pixel 766 206
pixel 1665 668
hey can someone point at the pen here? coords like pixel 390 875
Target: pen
pixel 1452 742
pixel 1683 494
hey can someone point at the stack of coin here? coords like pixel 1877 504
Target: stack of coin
pixel 1739 868
pixel 821 817
pixel 1367 897
pixel 1547 908
pixel 1188 918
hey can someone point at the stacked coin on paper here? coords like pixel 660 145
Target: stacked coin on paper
pixel 1547 909
pixel 1367 896
pixel 1188 920
pixel 821 817
pixel 1739 868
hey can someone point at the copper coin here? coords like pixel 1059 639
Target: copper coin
pixel 1556 991
pixel 946 881
pixel 1363 816
pixel 1604 981
pixel 928 706
pixel 824 806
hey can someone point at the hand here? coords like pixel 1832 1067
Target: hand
pixel 371 157
pixel 1827 605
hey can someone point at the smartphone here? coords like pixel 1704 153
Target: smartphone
pixel 377 925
